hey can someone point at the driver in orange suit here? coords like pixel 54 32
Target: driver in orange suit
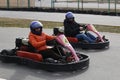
pixel 38 40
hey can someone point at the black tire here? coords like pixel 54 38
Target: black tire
pixel 81 65
pixel 9 52
pixel 6 55
pixel 101 45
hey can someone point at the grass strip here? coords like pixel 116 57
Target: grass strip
pixel 24 23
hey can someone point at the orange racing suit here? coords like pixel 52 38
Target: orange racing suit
pixel 39 41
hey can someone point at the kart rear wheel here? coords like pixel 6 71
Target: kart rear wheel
pixel 4 55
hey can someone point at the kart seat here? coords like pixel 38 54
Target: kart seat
pixel 72 39
pixel 24 44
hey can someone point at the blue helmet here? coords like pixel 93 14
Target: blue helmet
pixel 69 15
pixel 34 25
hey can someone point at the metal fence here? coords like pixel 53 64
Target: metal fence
pixel 16 3
pixel 96 5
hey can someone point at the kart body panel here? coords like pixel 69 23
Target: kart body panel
pixel 79 44
pixel 100 45
pixel 25 54
pixel 37 63
pixel 63 40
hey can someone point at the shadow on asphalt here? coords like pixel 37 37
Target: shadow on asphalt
pixel 91 50
pixel 22 72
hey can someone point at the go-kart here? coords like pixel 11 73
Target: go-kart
pixel 103 43
pixel 25 54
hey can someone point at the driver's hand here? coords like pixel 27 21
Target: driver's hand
pixel 85 26
pixel 81 28
pixel 51 42
pixel 49 47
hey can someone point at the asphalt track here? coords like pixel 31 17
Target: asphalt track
pixel 104 64
pixel 59 17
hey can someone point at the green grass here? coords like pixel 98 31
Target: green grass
pixel 112 29
pixel 23 23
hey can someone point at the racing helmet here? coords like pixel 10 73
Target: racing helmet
pixel 69 15
pixel 36 25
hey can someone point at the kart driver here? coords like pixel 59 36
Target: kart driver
pixel 38 40
pixel 74 29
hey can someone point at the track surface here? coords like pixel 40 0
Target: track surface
pixel 59 17
pixel 104 64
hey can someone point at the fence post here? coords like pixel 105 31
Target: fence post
pixel 51 3
pixel 98 4
pixel 82 4
pixel 108 6
pixel 115 6
pixel 17 4
pixel 67 3
pixel 8 4
pixel 78 4
pixel 28 3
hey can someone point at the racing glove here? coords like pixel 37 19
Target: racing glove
pixel 51 42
